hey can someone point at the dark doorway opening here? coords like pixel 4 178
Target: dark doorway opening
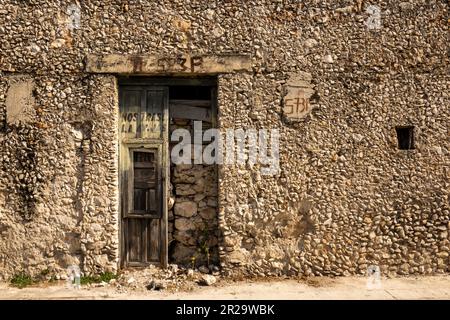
pixel 405 137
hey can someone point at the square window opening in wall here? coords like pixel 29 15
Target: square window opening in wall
pixel 405 137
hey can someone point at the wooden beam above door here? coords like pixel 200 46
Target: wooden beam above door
pixel 190 112
pixel 159 65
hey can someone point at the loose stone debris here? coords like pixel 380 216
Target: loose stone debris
pixel 207 280
pixel 173 279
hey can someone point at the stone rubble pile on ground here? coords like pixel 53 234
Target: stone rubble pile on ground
pixel 173 278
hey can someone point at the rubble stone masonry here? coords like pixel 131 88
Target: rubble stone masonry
pixel 345 197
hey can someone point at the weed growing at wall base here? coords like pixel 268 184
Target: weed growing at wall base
pixel 22 280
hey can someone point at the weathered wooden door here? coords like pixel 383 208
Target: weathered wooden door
pixel 143 164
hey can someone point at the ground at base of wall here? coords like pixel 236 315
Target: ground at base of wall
pixel 348 288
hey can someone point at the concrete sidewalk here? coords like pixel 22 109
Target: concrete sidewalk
pixel 349 288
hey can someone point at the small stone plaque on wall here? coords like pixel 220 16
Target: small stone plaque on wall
pixel 19 100
pixel 298 91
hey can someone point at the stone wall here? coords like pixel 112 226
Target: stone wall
pixel 345 196
pixel 193 224
pixel 59 180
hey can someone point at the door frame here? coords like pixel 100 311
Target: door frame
pixel 162 82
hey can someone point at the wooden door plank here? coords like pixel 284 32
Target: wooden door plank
pixel 154 247
pixel 164 170
pixel 133 240
pixel 144 240
pixel 190 103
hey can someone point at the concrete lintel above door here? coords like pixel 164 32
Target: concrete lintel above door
pixel 165 64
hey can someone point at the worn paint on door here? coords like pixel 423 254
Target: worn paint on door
pixel 143 126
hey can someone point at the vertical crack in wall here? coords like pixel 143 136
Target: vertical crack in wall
pixel 82 134
pixel 83 129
